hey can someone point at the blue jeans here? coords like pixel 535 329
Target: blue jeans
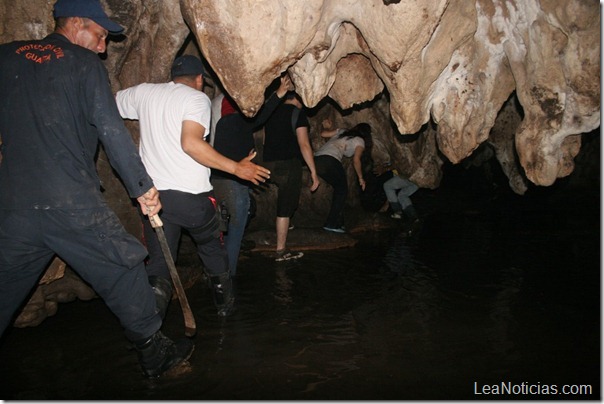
pixel 236 197
pixel 404 187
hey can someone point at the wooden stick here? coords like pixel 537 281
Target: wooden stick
pixel 190 327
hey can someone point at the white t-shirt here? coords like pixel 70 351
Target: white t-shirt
pixel 161 110
pixel 340 147
pixel 216 112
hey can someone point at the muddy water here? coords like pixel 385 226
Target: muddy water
pixel 502 291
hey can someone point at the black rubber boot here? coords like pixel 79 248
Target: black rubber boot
pixel 412 221
pixel 411 213
pixel 397 210
pixel 223 294
pixel 162 288
pixel 158 353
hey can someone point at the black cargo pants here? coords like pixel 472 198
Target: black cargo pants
pixel 91 241
pixel 196 214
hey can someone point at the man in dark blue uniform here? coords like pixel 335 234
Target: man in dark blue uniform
pixel 55 107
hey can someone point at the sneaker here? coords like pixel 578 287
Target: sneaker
pixel 396 215
pixel 287 255
pixel 335 229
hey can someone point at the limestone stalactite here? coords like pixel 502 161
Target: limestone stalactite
pixel 455 62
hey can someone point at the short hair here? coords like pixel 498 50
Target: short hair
pixel 60 22
pixel 290 95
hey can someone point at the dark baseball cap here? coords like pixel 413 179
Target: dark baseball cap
pixel 88 9
pixel 187 65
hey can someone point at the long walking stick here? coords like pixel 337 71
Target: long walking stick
pixel 190 327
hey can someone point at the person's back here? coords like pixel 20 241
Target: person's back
pixel 280 141
pixel 355 143
pixel 48 89
pixel 174 123
pixel 233 137
pixel 286 146
pixel 236 138
pixel 161 109
pixel 340 147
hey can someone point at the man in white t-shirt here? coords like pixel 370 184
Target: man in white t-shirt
pixel 174 122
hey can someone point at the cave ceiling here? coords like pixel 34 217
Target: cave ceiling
pixel 450 65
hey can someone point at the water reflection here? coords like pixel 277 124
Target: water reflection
pixel 470 298
pixel 283 286
pixel 502 316
pixel 416 293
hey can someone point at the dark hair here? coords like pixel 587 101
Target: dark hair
pixel 362 130
pixel 290 95
pixel 60 22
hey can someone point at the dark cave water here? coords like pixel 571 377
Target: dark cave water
pixel 492 293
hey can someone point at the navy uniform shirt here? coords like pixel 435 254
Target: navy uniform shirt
pixel 55 107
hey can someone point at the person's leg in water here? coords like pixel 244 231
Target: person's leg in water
pixel 289 183
pixel 93 243
pixel 196 214
pixel 332 171
pixel 406 189
pixel 390 188
pixel 236 198
pixel 214 256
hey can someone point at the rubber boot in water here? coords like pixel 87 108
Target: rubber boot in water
pixel 158 353
pixel 222 293
pixel 162 288
pixel 411 213
pixel 412 219
pixel 397 210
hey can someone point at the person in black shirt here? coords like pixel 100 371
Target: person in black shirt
pixel 234 138
pixel 286 144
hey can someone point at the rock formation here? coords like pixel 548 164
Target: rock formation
pixel 58 285
pixel 456 62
